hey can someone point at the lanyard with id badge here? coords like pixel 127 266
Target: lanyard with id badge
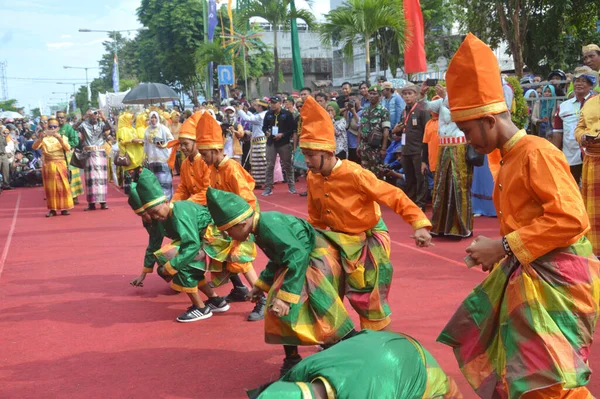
pixel 414 121
pixel 275 127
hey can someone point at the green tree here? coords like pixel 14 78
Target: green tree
pixel 9 105
pixel 35 112
pixel 127 58
pixel 520 114
pixel 277 13
pixel 439 18
pixel 167 49
pixel 357 21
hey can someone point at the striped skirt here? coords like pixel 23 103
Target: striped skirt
pixel 96 176
pixel 165 177
pixel 319 317
pixel 76 182
pixel 529 327
pixel 258 160
pixel 452 206
pixel 56 185
pixel 368 273
pixel 590 190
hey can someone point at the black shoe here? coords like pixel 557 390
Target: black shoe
pixel 194 313
pixel 90 207
pixel 288 364
pixel 304 194
pixel 8 188
pixel 258 313
pixel 217 304
pixel 51 214
pixel 65 213
pixel 238 294
pixel 75 201
pixel 103 205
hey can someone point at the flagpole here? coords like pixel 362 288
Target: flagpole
pixel 245 73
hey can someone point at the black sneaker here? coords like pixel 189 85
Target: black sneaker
pixel 288 364
pixel 258 313
pixel 194 313
pixel 217 304
pixel 304 194
pixel 238 294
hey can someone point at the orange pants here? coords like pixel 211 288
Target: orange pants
pixel 557 392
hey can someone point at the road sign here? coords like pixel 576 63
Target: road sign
pixel 225 73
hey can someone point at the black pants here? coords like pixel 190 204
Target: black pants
pixel 416 184
pixel 576 172
pixel 341 155
pixel 353 156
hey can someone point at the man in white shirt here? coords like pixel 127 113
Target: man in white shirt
pixel 258 150
pixel 567 116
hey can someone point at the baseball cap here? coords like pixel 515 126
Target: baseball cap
pixel 275 99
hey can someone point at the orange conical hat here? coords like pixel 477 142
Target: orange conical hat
pixel 317 127
pixel 188 127
pixel 209 135
pixel 473 82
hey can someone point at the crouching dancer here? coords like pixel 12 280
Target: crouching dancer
pixel 303 278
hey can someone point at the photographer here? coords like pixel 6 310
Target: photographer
pixel 351 114
pixel 93 135
pixel 393 172
pixel 233 132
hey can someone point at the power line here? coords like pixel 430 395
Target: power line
pixel 42 79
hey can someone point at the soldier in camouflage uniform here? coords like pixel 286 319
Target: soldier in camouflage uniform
pixel 375 117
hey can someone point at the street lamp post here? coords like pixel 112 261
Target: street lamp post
pixel 74 91
pixel 86 78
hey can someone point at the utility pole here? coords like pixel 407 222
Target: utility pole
pixel 3 66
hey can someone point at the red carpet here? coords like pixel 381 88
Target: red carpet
pixel 71 326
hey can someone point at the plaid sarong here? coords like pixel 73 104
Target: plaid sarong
pixel 528 327
pixel 96 176
pixel 368 270
pixel 258 160
pixel 319 317
pixel 226 256
pixel 56 185
pixel 189 277
pixel 590 190
pixel 76 183
pixel 165 177
pixel 452 208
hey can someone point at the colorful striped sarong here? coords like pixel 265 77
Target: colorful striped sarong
pixel 368 273
pixel 189 277
pixel 226 256
pixel 319 317
pixel 529 327
pixel 452 210
pixel 56 185
pixel 258 160
pixel 590 190
pixel 165 177
pixel 96 176
pixel 76 183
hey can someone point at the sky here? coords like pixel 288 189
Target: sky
pixel 39 37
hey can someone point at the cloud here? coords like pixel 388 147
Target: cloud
pixel 59 45
pixel 65 36
pixel 6 37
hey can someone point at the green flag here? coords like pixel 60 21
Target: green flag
pixel 297 73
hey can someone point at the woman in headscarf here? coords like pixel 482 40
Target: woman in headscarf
pixel 131 142
pixel 544 111
pixel 55 172
pixel 175 128
pixel 339 127
pixel 157 152
pixel 531 97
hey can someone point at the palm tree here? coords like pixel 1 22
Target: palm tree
pixel 357 21
pixel 277 13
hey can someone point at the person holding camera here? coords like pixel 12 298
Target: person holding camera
pixel 375 130
pixel 54 146
pixel 157 153
pixel 350 112
pixel 93 133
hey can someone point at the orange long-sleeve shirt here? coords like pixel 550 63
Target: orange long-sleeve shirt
pixel 230 176
pixel 539 204
pixel 347 200
pixel 195 179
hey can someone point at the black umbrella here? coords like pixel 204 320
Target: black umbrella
pixel 150 93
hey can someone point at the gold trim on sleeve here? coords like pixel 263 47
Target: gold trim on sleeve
pixel 306 393
pixel 262 285
pixel 170 269
pixel 148 269
pixel 518 248
pixel 287 297
pixel 328 388
pixel 419 224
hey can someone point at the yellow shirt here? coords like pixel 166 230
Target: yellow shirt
pixel 347 200
pixel 126 133
pixel 52 149
pixel 230 176
pixel 589 119
pixel 539 205
pixel 195 179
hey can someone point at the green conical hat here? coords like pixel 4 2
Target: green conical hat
pixel 134 200
pixel 227 209
pixel 149 190
pixel 284 390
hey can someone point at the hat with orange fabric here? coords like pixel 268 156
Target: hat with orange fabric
pixel 317 129
pixel 209 135
pixel 188 127
pixel 473 82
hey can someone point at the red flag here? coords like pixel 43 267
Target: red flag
pixel 414 51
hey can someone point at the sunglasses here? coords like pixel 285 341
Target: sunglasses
pixel 52 126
